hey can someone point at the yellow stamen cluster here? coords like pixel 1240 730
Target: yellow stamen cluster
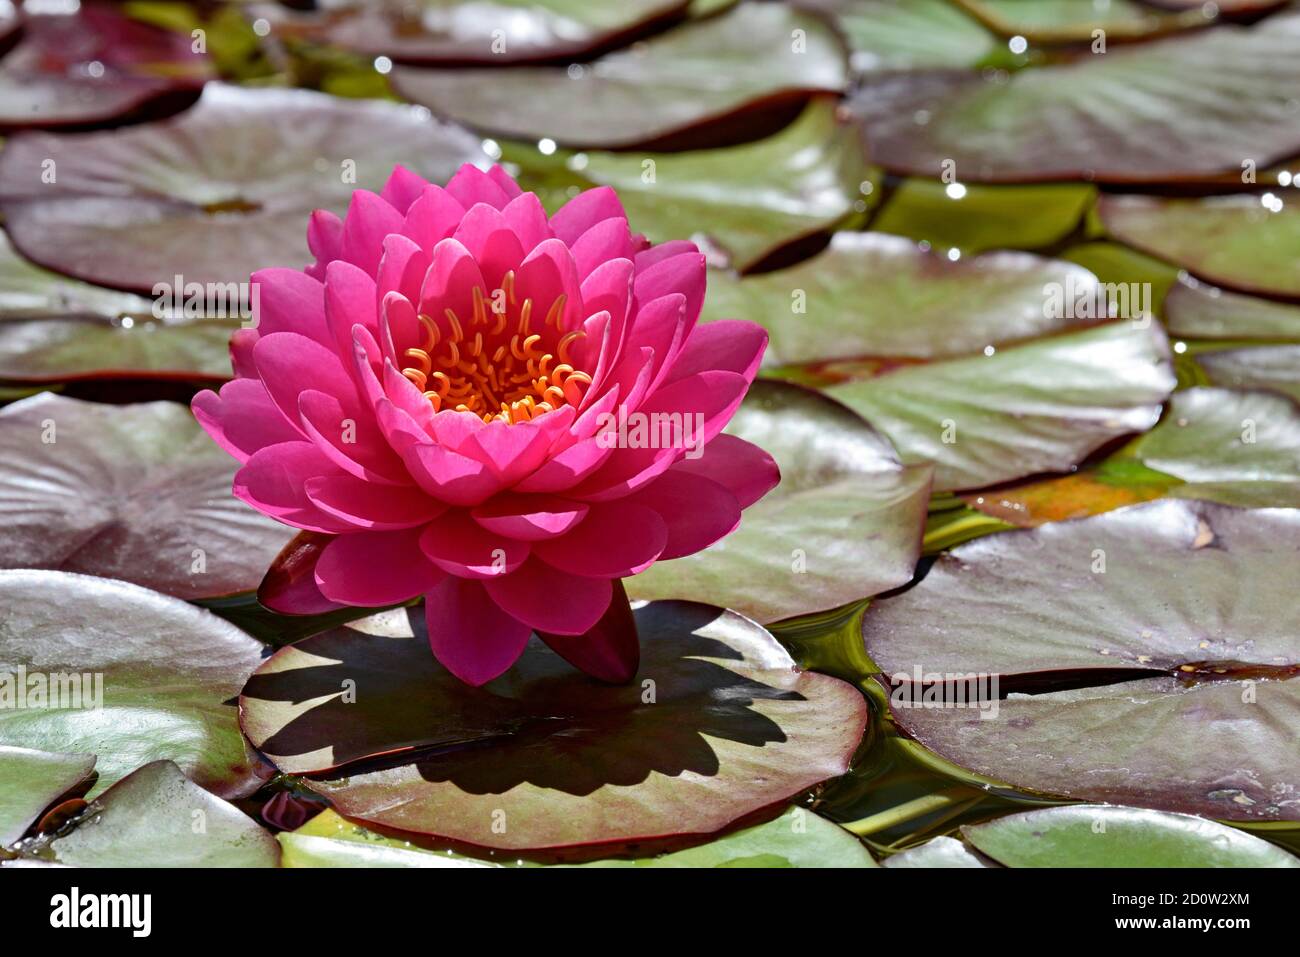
pixel 495 365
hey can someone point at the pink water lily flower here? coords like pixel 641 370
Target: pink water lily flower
pixel 504 412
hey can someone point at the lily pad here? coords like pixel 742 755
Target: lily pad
pixel 1201 311
pixel 744 202
pixel 470 31
pixel 1095 835
pixel 54 329
pixel 1231 446
pixel 91 65
pixel 937 852
pixel 1218 90
pixel 156 817
pixel 1234 241
pixel 159 670
pixel 1073 21
pixel 1038 407
pixel 972 219
pixel 757 56
pixel 876 295
pixel 30 781
pixel 134 492
pixel 797 838
pixel 717 724
pixel 1143 655
pixel 844 523
pixel 906 34
pixel 1263 367
pixel 136 207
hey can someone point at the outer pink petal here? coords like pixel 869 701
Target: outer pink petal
pixel 289 586
pixel 529 518
pixel 273 480
pixel 371 506
pixel 609 239
pixel 471 185
pixel 503 179
pixel 613 541
pixel 241 418
pixel 526 217
pixel 548 599
pixel 460 546
pixel 242 342
pixel 370 218
pixel 696 510
pixel 375 568
pixel 290 364
pixel 743 468
pixel 290 301
pixel 350 300
pixel 733 345
pixel 469 633
pixel 584 211
pixel 350 438
pixel 325 240
pixel 684 273
pixel 403 188
pixel 432 218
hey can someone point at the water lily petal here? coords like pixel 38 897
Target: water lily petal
pixel 469 633
pixel 373 569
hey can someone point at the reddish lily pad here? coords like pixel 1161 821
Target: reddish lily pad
pixel 135 207
pixel 160 671
pixel 30 781
pixel 1201 311
pixel 56 329
pixel 94 65
pixel 1157 645
pixel 134 492
pixel 1264 367
pixel 717 724
pixel 472 32
pixel 1038 407
pixel 1238 242
pixel 877 295
pixel 666 86
pixel 156 817
pixel 844 523
pixel 1226 95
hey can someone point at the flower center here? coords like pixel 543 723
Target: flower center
pixel 497 365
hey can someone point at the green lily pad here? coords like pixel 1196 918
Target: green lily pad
pixel 1218 90
pixel 937 852
pixel 160 671
pixel 876 295
pixel 1263 367
pixel 972 218
pixel 668 85
pixel 797 838
pixel 156 817
pixel 1106 836
pixel 1113 263
pixel 135 207
pixel 1234 241
pixel 717 724
pixel 906 34
pixel 1231 446
pixel 472 31
pixel 743 202
pixel 1073 21
pixel 1038 407
pixel 30 781
pixel 134 492
pixel 1201 311
pixel 55 329
pixel 844 523
pixel 1142 656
